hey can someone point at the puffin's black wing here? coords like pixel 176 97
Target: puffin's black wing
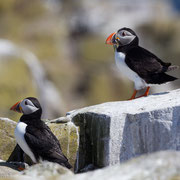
pixel 148 66
pixel 44 144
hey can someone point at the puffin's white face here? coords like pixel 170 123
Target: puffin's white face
pixel 124 37
pixel 27 107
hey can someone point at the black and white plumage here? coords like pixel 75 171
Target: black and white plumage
pixel 138 64
pixel 34 136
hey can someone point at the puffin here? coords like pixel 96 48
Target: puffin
pixel 138 64
pixel 34 137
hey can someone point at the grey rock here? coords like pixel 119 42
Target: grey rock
pixel 114 132
pixel 46 170
pixel 156 166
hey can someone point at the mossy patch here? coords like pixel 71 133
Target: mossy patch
pixel 7 141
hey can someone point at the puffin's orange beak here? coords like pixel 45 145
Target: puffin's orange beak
pixel 109 39
pixel 17 107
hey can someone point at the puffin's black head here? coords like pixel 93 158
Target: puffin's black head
pixel 124 36
pixel 27 106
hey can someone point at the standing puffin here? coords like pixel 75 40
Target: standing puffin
pixel 34 136
pixel 138 64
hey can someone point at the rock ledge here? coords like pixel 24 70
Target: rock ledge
pixel 114 132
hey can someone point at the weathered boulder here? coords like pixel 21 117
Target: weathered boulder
pixel 117 131
pixel 157 166
pixel 7 141
pixel 46 170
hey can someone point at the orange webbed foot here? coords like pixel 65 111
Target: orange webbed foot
pixel 144 95
pixel 134 95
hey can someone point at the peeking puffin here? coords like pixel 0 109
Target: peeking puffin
pixel 34 136
pixel 138 64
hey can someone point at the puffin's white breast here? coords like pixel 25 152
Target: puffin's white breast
pixel 20 130
pixel 126 71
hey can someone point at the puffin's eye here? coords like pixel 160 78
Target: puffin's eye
pixel 123 33
pixel 25 103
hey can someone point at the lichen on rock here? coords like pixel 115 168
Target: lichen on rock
pixel 7 141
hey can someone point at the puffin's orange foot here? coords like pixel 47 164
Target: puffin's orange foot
pixel 135 92
pixel 134 95
pixel 146 93
pixel 20 168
